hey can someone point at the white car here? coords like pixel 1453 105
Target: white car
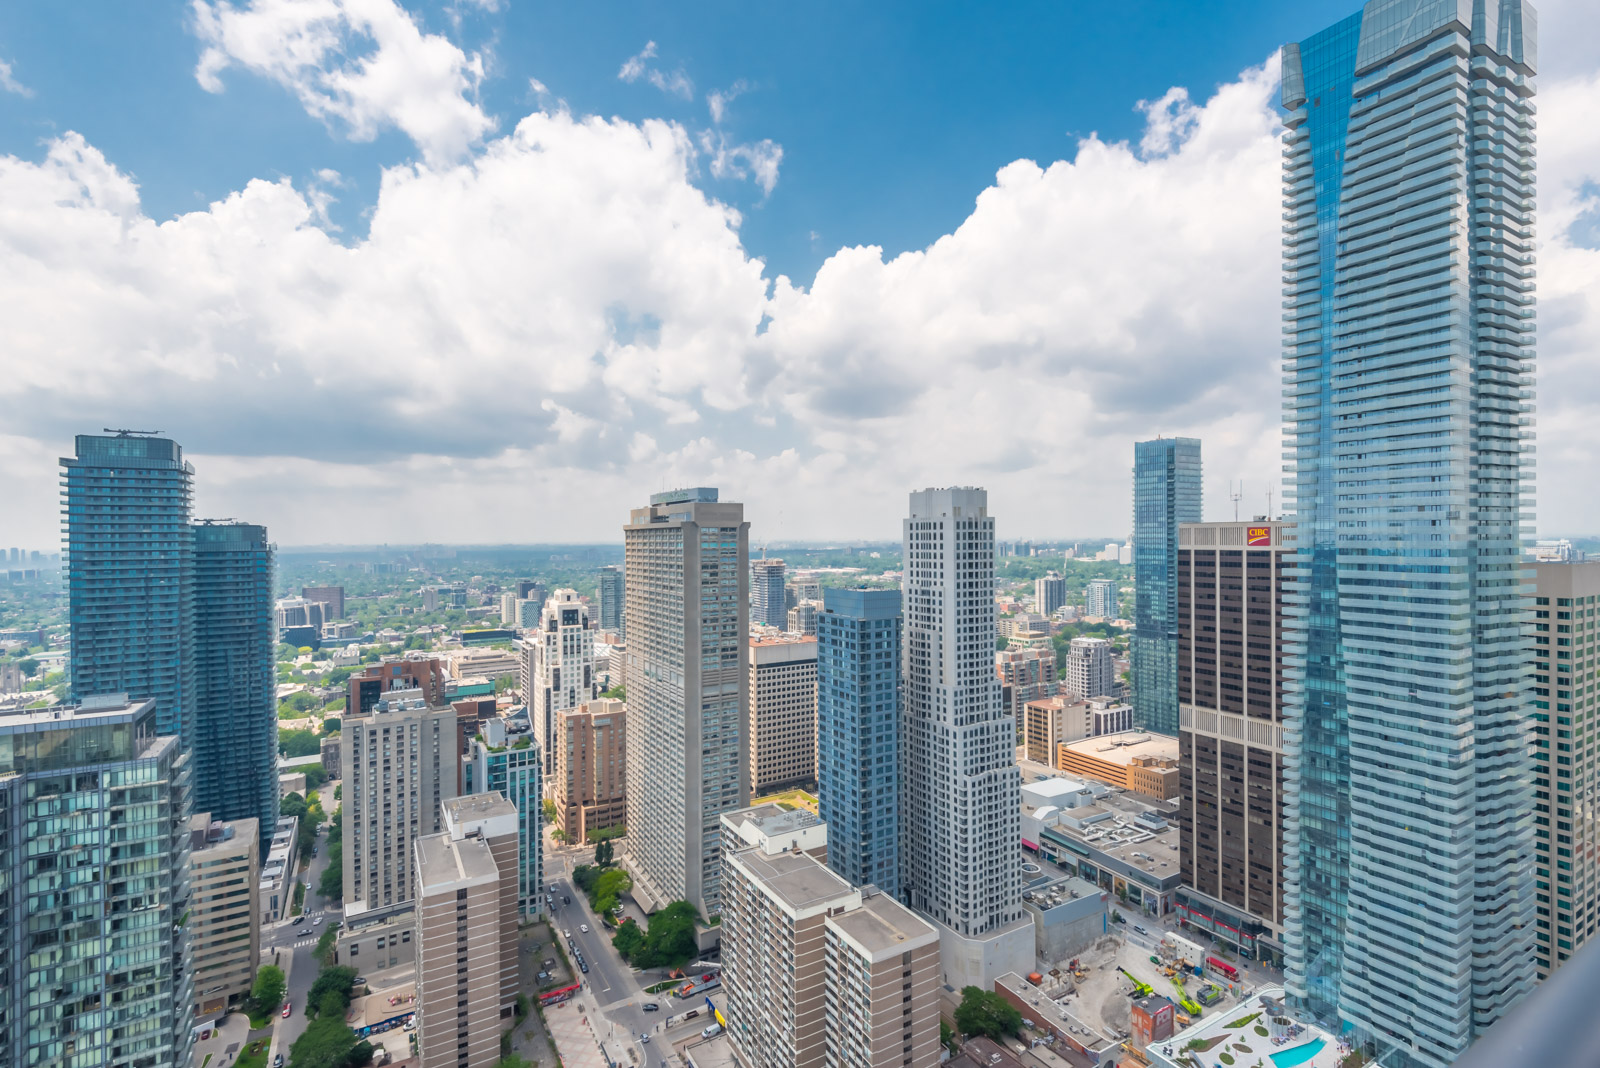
pixel 567 933
pixel 582 927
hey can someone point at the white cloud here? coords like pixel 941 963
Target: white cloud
pixel 9 83
pixel 757 161
pixel 417 82
pixel 635 67
pixel 717 100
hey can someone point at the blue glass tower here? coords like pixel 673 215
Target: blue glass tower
pixel 1408 296
pixel 129 557
pixel 858 727
pixel 513 771
pixel 236 711
pixel 1166 492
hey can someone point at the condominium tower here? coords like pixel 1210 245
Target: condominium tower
pixel 563 667
pixel 94 866
pixel 1166 492
pixel 858 733
pixel 1049 593
pixel 511 769
pixel 1566 714
pixel 590 782
pixel 687 566
pixel 961 788
pixel 1408 189
pixel 766 593
pixel 224 925
pixel 1100 599
pixel 1090 670
pixel 611 599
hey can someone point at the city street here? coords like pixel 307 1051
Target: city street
pixel 290 945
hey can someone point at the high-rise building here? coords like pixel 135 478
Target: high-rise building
pixel 236 707
pixel 802 619
pixel 687 561
pixel 783 712
pixel 817 972
pixel 1408 187
pixel 1230 601
pixel 400 762
pixel 563 667
pixel 961 788
pixel 858 733
pixel 1166 492
pixel 224 927
pixel 766 593
pixel 1100 599
pixel 1025 675
pixel 612 616
pixel 331 597
pixel 1049 593
pixel 129 563
pixel 508 609
pixel 511 769
pixel 589 784
pixel 1565 711
pixel 464 923
pixel 94 863
pixel 492 818
pixel 1090 670
pixel 414 671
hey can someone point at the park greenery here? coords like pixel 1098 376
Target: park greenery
pixel 983 1012
pixel 266 995
pixel 299 743
pixel 669 943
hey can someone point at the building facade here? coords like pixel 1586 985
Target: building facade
pixel 1408 182
pixel 332 597
pixel 236 707
pixel 491 817
pixel 858 733
pixel 1100 599
pixel 563 667
pixel 590 781
pixel 1025 675
pixel 94 864
pixel 1230 597
pixel 960 781
pixel 129 573
pixel 1166 492
pixel 1049 593
pixel 512 770
pixel 766 593
pixel 687 568
pixel 802 619
pixel 413 672
pixel 783 712
pixel 612 616
pixel 224 928
pixel 400 763
pixel 1090 670
pixel 1565 710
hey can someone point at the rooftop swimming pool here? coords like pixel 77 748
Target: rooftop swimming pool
pixel 1299 1055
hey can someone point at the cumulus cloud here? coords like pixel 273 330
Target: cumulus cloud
pixel 9 83
pixel 635 67
pixel 419 83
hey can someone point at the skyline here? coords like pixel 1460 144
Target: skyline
pixel 314 372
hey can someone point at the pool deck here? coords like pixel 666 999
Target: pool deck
pixel 1245 1046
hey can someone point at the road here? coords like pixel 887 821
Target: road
pixel 287 939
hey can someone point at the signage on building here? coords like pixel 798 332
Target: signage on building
pixel 1258 536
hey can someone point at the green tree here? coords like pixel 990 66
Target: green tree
pixel 331 725
pixel 299 743
pixel 551 815
pixel 324 951
pixel 266 994
pixel 332 988
pixel 604 854
pixel 669 943
pixel 511 1060
pixel 331 883
pixel 28 666
pixel 983 1012
pixel 327 1043
pixel 504 683
pixel 608 891
pixel 619 692
pixel 628 940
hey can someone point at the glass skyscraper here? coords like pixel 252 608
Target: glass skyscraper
pixel 1166 492
pixel 236 710
pixel 1408 305
pixel 858 734
pixel 130 555
pixel 513 772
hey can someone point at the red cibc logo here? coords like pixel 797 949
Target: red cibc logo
pixel 1258 536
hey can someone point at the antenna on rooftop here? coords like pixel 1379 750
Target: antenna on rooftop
pixel 1269 502
pixel 129 433
pixel 1234 495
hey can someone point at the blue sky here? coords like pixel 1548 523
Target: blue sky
pixel 530 262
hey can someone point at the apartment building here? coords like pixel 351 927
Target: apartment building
pixel 1025 675
pixel 224 928
pixel 766 593
pixel 1100 599
pixel 783 712
pixel 332 598
pixel 590 782
pixel 459 934
pixel 611 599
pixel 562 674
pixel 1049 593
pixel 493 819
pixel 511 769
pixel 414 671
pixel 1090 669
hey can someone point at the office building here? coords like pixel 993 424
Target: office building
pixel 443 598
pixel 766 593
pixel 816 972
pixel 331 598
pixel 959 776
pixel 297 615
pixel 414 672
pixel 563 667
pixel 1230 600
pixel 94 865
pixel 461 917
pixel 1100 599
pixel 687 568
pixel 803 587
pixel 224 929
pixel 400 763
pixel 783 712
pixel 589 784
pixel 1049 721
pixel 1166 492
pixel 511 769
pixel 1049 593
pixel 1565 712
pixel 129 570
pixel 611 595
pixel 1025 675
pixel 858 733
pixel 526 614
pixel 802 619
pixel 1139 761
pixel 1090 670
pixel 1406 703
pixel 236 707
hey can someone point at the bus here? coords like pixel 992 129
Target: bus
pixel 1224 967
pixel 551 997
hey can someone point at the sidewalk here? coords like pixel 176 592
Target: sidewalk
pixel 579 1032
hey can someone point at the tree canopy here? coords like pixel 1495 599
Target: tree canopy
pixel 669 943
pixel 299 743
pixel 266 994
pixel 983 1012
pixel 331 981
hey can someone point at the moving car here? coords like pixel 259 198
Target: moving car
pixel 583 927
pixel 297 921
pixel 1141 930
pixel 286 1008
pixel 317 922
pixel 644 1039
pixel 568 934
pixel 651 1006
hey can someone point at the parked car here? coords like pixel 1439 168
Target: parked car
pixel 1141 930
pixel 651 1006
pixel 297 921
pixel 566 899
pixel 583 968
pixel 360 980
pixel 277 1062
pixel 711 1032
pixel 568 934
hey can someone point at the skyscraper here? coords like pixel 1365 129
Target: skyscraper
pixel 1090 670
pixel 95 866
pixel 612 616
pixel 1049 593
pixel 961 793
pixel 499 766
pixel 858 733
pixel 1166 492
pixel 236 708
pixel 766 593
pixel 1100 599
pixel 783 712
pixel 130 559
pixel 563 667
pixel 687 568
pixel 1408 278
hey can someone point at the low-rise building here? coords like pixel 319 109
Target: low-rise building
pixel 1132 760
pixel 1054 1019
pixel 378 940
pixel 1277 1033
pixel 1047 722
pixel 330 756
pixel 1120 842
pixel 291 782
pixel 1150 1018
pixel 224 934
pixel 488 662
pixel 1068 914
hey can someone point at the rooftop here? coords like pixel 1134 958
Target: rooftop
pixel 796 880
pixel 883 926
pixel 1041 1009
pixel 1123 825
pixel 445 863
pixel 1126 746
pixel 1286 1030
